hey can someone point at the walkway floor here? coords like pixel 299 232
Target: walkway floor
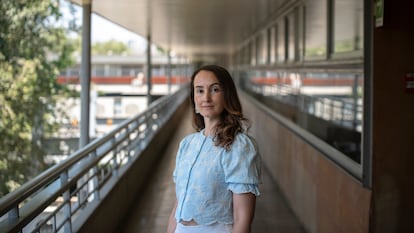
pixel 150 214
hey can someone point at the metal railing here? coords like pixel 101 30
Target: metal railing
pixel 341 111
pixel 52 201
pixel 345 111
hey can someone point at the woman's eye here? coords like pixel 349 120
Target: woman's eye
pixel 199 91
pixel 216 89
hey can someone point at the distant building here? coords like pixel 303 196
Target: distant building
pixel 118 92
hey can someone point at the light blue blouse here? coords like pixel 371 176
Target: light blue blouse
pixel 206 176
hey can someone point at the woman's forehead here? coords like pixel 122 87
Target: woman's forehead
pixel 205 78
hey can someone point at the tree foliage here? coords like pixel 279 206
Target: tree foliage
pixel 33 49
pixel 111 47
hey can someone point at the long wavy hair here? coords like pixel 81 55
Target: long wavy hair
pixel 232 119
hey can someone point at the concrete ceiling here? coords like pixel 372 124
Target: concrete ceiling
pixel 197 29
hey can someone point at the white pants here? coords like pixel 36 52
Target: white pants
pixel 215 228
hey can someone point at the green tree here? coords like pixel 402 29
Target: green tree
pixel 111 47
pixel 33 49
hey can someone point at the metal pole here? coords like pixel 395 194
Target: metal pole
pixel 169 72
pixel 149 67
pixel 85 77
pixel 85 81
pixel 368 99
pixel 149 42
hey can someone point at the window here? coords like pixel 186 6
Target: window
pixel 328 104
pixel 281 49
pixel 252 52
pixel 348 25
pixel 117 106
pixel 291 36
pixel 246 54
pixel 316 28
pixel 272 44
pixel 262 48
pixel 98 70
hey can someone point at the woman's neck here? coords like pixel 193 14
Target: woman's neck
pixel 210 127
pixel 208 131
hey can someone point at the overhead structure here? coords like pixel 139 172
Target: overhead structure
pixel 198 30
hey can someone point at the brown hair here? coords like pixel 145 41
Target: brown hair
pixel 232 119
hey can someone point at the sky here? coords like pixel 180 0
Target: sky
pixel 104 30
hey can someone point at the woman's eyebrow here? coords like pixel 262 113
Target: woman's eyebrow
pixel 213 84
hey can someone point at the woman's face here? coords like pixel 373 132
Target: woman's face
pixel 208 95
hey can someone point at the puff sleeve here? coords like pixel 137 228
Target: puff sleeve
pixel 242 166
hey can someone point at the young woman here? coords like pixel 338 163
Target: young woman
pixel 217 169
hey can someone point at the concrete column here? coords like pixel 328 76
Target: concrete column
pixel 85 76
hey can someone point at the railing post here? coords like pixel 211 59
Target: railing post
pixel 13 214
pixel 114 158
pixel 67 215
pixel 95 180
pixel 129 132
pixel 343 113
pixel 355 100
pixel 331 112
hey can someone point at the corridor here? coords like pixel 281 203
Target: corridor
pixel 151 211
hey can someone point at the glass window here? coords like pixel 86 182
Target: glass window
pixel 246 54
pixel 291 27
pixel 281 49
pixel 98 70
pixel 261 45
pixel 300 18
pixel 243 55
pixel 259 49
pixel 315 28
pixel 268 44
pixel 252 52
pixel 327 104
pixel 240 56
pixel 272 45
pixel 236 57
pixel 117 106
pixel 348 25
pixel 111 70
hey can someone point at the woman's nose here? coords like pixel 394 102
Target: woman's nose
pixel 207 96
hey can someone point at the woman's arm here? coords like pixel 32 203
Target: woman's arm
pixel 243 212
pixel 172 223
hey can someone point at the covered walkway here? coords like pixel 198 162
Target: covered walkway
pixel 149 214
pixel 340 159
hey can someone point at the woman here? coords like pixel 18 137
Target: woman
pixel 218 168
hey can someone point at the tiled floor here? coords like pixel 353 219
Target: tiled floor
pixel 272 213
pixel 150 214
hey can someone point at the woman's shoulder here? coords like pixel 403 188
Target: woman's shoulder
pixel 243 140
pixel 243 160
pixel 244 146
pixel 190 137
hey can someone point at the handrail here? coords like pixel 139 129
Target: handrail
pixel 346 112
pixel 67 187
pixel 346 163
